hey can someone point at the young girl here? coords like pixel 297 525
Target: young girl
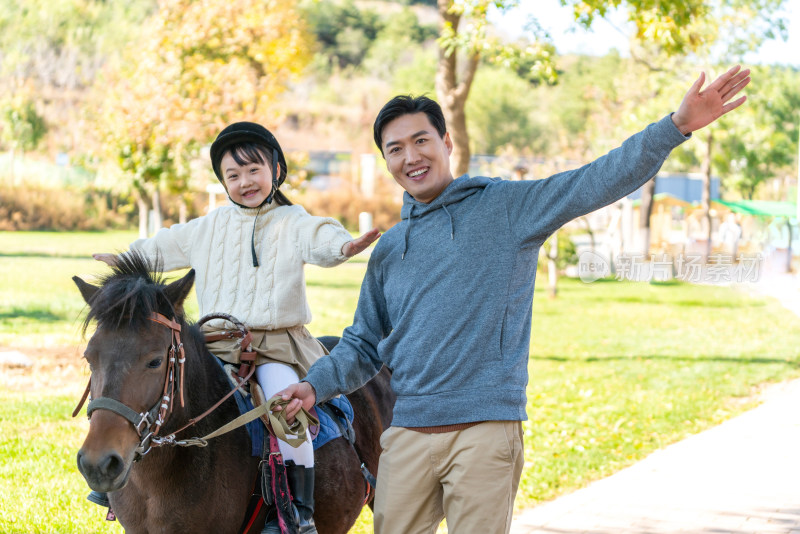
pixel 248 260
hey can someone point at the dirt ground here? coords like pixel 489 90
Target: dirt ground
pixel 56 370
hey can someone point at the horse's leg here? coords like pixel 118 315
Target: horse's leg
pixel 340 489
pixel 373 406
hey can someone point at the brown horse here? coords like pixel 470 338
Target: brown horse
pixel 140 322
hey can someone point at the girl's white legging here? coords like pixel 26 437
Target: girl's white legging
pixel 273 377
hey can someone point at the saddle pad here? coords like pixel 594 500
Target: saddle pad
pixel 245 404
pixel 330 428
pixel 330 425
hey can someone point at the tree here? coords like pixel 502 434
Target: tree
pixel 396 42
pixel 764 135
pixel 200 66
pixel 344 32
pixel 499 119
pixel 475 43
pixel 675 26
pixel 21 126
pixel 52 51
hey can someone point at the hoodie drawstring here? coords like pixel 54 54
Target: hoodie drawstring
pixel 452 225
pixel 408 230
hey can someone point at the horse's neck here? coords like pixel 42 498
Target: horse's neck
pixel 204 385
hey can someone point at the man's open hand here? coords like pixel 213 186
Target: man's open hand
pixel 701 108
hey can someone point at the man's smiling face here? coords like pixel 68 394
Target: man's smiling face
pixel 417 157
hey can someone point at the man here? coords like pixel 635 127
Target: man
pixel 446 306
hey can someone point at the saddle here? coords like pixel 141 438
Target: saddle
pixel 335 417
pixel 334 421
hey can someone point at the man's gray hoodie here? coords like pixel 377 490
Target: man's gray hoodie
pixel 447 297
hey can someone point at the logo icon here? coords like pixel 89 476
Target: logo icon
pixel 592 266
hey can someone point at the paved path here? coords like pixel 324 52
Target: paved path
pixel 741 477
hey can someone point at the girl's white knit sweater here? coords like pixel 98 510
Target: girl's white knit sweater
pixel 217 247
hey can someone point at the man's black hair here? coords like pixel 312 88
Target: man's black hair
pixel 405 105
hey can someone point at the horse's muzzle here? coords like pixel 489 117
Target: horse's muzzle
pixel 107 472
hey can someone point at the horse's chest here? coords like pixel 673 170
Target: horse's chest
pixel 166 500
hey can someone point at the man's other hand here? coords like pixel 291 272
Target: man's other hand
pixel 302 395
pixel 701 108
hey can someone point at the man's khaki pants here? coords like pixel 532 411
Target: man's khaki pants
pixel 470 476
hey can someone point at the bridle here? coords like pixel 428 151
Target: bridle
pixel 148 423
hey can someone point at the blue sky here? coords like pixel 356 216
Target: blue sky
pixel 569 38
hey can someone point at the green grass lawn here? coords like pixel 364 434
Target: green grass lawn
pixel 617 370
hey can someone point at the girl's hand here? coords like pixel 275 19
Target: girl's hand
pixel 108 259
pixel 355 246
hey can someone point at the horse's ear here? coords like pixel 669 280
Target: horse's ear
pixel 178 290
pixel 87 290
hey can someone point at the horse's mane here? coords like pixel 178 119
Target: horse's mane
pixel 130 294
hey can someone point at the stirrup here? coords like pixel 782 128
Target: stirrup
pixel 271 527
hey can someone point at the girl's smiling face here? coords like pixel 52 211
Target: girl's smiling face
pixel 249 183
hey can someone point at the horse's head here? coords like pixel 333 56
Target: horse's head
pixel 132 357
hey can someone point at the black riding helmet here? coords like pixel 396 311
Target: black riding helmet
pixel 237 135
pixel 240 133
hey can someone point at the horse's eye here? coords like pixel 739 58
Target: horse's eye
pixel 155 364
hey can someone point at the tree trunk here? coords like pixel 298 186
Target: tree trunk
pixel 183 210
pixel 457 125
pixel 156 201
pixel 706 197
pixel 590 232
pixel 11 154
pixel 789 246
pixel 453 94
pixel 645 212
pixel 144 210
pixel 552 268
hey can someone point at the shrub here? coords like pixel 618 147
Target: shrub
pixel 346 202
pixel 39 207
pixel 36 207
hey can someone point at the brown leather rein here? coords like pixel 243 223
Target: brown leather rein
pixel 148 424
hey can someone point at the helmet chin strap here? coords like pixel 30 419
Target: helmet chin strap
pixel 267 200
pixel 253 238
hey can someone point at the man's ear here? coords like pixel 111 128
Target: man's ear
pixel 448 143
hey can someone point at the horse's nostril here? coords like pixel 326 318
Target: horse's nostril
pixel 112 465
